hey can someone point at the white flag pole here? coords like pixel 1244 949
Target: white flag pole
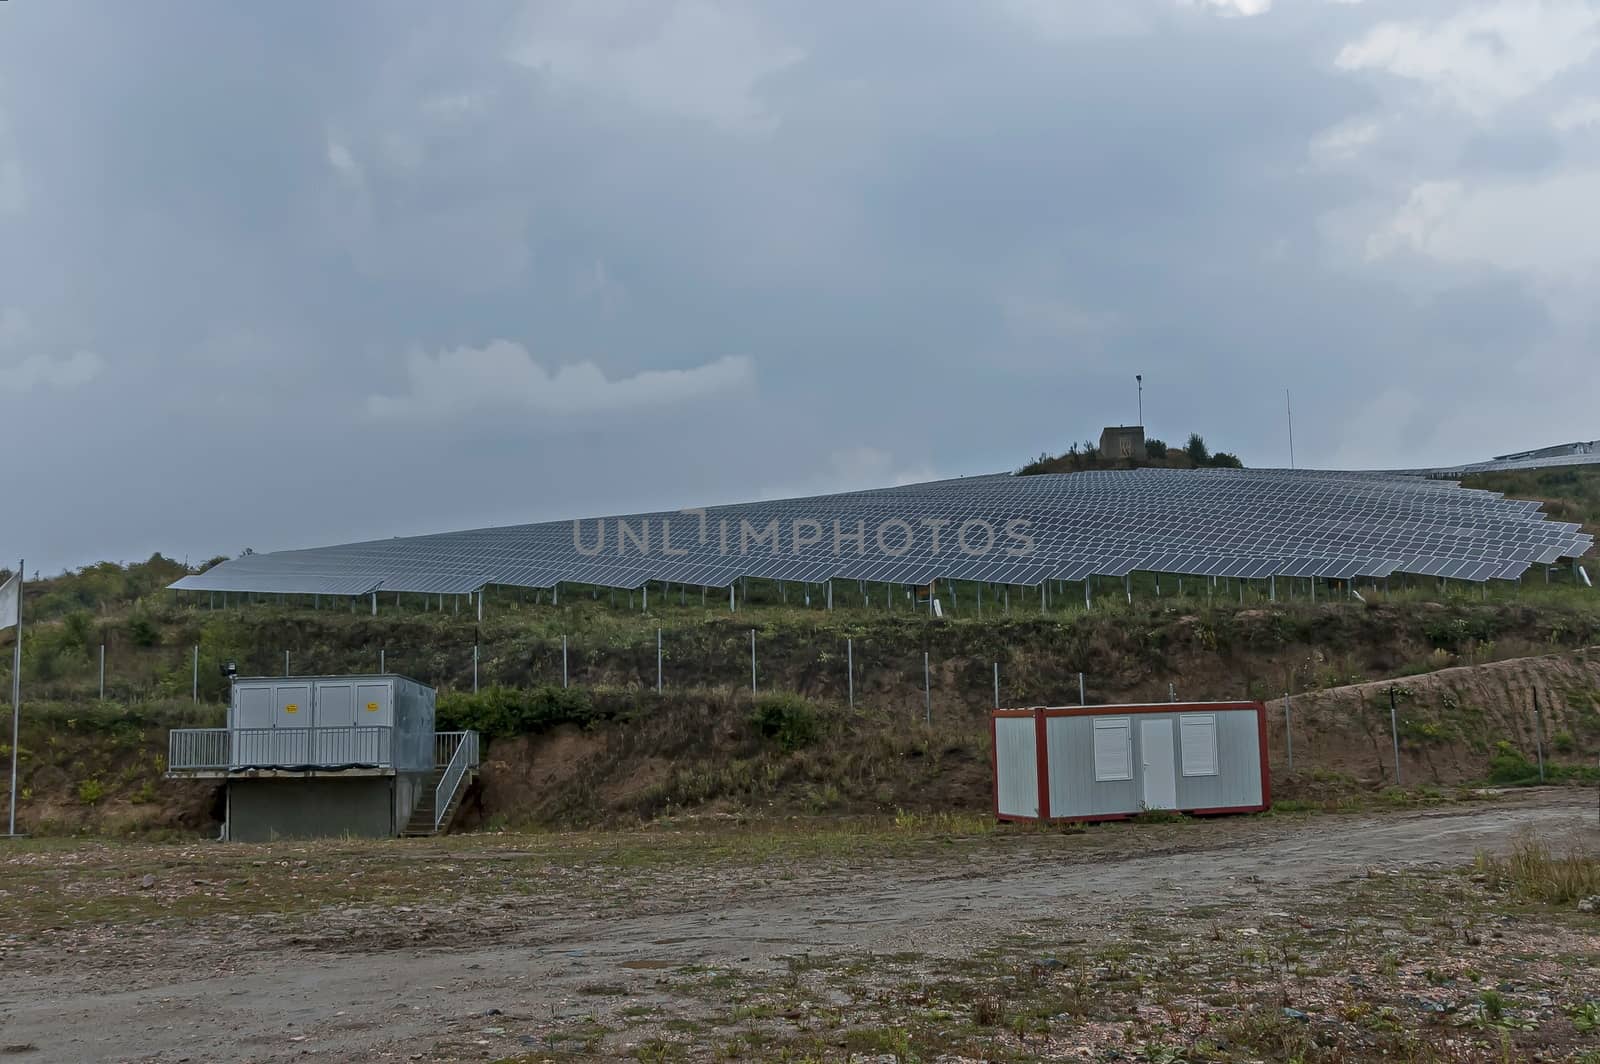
pixel 16 698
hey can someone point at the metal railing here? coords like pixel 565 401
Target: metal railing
pixel 445 744
pixel 193 748
pixel 463 758
pixel 235 748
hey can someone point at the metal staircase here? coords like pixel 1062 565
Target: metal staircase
pixel 456 766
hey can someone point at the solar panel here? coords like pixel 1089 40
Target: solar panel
pixel 1007 529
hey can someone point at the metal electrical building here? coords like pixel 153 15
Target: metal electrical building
pixel 1002 529
pixel 307 756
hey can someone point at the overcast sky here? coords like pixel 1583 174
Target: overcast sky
pixel 279 275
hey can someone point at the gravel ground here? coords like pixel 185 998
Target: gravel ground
pixel 917 940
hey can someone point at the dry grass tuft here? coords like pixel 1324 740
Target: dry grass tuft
pixel 1535 872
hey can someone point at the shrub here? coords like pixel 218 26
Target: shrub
pixel 788 718
pixel 77 630
pixel 1224 460
pixel 143 631
pixel 1509 765
pixel 1196 449
pixel 500 712
pixel 1155 448
pixel 1563 742
pixel 90 791
pixel 1040 464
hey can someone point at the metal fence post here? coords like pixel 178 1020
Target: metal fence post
pixel 1172 692
pixel 1538 734
pixel 927 691
pixel 1288 729
pixel 196 685
pixel 103 671
pixel 997 685
pixel 658 661
pixel 1394 732
pixel 752 660
pixel 474 668
pixel 563 661
pixel 382 661
pixel 850 671
pixel 1081 700
pixel 286 663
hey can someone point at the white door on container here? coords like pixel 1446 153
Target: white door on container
pixel 1156 764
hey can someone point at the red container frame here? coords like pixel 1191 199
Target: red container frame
pixel 1040 714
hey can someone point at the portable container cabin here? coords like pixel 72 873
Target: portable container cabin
pixel 1109 762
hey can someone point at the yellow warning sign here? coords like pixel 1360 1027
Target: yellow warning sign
pixel 372 707
pixel 291 708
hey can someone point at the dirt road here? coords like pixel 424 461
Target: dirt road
pixel 505 948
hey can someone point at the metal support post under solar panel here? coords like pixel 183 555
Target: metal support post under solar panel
pixel 927 690
pixel 850 672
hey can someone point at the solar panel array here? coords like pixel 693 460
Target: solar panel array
pixel 1000 529
pixel 1507 465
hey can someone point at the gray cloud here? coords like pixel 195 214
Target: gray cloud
pixel 774 246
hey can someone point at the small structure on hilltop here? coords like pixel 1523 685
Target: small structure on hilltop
pixel 1110 762
pixel 1123 441
pixel 309 756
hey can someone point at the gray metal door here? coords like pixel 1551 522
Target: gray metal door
pixel 1158 768
pixel 252 707
pixel 292 718
pixel 374 705
pixel 336 719
pixel 336 705
pixel 250 733
pixel 291 704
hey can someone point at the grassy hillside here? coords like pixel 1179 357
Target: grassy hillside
pixel 1570 493
pixel 610 748
pixel 814 737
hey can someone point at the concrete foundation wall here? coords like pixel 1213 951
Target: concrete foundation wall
pixel 262 810
pixel 409 789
